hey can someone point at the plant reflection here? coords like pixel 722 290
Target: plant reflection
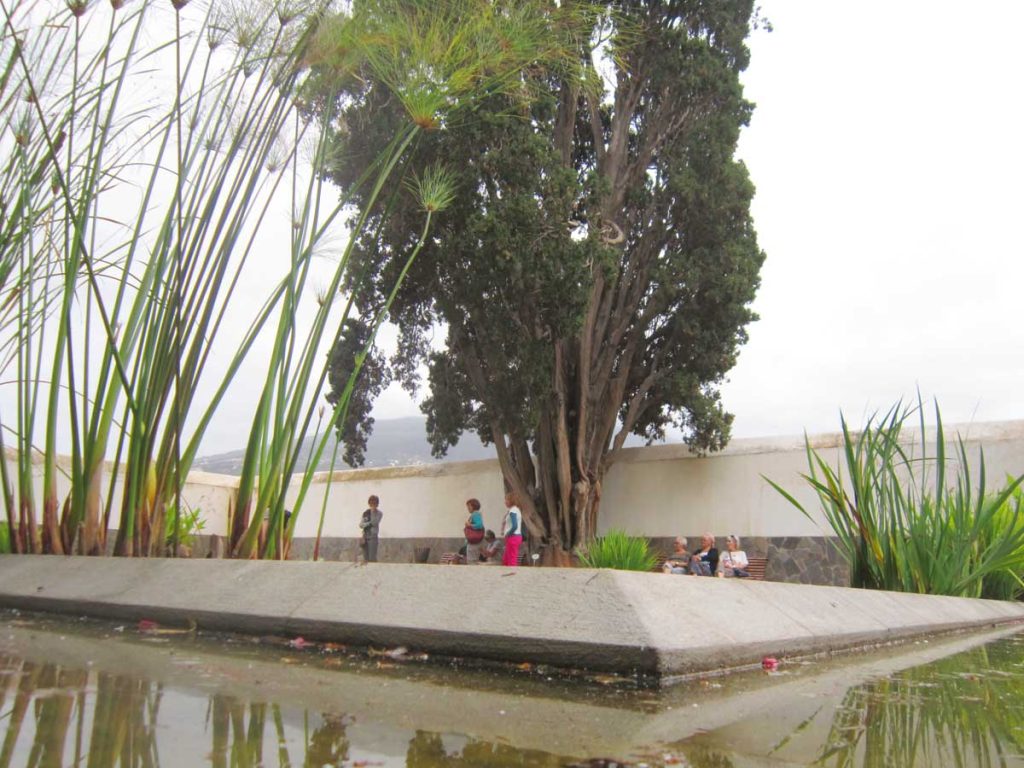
pixel 56 716
pixel 962 711
pixel 965 710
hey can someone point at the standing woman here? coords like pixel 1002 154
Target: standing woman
pixel 370 523
pixel 474 532
pixel 512 530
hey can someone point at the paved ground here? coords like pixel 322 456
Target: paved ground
pixel 664 626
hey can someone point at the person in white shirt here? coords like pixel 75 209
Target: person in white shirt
pixel 733 561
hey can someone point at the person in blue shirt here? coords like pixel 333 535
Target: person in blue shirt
pixel 474 531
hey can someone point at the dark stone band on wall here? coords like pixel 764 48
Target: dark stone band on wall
pixel 793 559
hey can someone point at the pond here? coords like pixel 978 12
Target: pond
pixel 79 692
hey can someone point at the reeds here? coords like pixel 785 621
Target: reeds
pixel 133 207
pixel 913 521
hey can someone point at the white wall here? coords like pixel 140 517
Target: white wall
pixel 665 491
pixel 657 491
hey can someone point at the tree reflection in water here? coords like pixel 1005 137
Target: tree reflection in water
pixel 427 750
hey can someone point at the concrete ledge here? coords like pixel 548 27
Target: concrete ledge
pixel 661 626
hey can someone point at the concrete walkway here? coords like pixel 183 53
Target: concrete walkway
pixel 662 626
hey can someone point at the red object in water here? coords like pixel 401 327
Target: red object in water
pixel 298 642
pixel 769 663
pixel 145 625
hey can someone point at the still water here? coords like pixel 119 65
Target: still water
pixel 83 693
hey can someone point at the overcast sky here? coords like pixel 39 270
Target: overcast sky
pixel 886 152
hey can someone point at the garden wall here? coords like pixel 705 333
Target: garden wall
pixel 659 492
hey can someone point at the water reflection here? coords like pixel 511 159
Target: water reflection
pixel 960 711
pixel 56 716
pixel 967 710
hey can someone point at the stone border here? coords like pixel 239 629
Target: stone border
pixel 638 623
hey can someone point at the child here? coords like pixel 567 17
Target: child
pixel 370 523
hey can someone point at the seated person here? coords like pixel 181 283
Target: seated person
pixel 491 549
pixel 733 561
pixel 678 561
pixel 705 560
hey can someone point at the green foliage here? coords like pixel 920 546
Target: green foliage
pixel 619 551
pixel 112 312
pixel 5 539
pixel 596 267
pixel 913 522
pixel 1005 584
pixel 183 528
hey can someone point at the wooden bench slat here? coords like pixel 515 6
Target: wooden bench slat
pixel 756 567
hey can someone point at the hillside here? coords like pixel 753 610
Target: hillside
pixel 394 442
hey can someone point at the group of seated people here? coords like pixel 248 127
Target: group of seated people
pixel 707 561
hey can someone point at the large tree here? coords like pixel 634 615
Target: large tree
pixel 594 274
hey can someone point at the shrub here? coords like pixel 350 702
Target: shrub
pixel 190 525
pixel 912 522
pixel 619 551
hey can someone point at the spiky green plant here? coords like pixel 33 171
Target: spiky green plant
pixel 911 521
pixel 620 551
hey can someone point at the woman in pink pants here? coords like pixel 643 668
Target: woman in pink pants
pixel 512 530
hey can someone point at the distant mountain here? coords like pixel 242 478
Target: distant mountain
pixel 394 443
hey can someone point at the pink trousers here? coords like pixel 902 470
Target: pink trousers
pixel 511 555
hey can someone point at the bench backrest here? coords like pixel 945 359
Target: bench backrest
pixel 756 567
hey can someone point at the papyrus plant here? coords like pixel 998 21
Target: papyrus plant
pixel 913 520
pixel 438 59
pixel 125 263
pixel 132 207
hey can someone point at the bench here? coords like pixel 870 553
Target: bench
pixel 454 558
pixel 756 567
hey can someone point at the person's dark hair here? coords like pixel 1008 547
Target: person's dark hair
pixel 489 535
pixel 473 504
pixel 373 500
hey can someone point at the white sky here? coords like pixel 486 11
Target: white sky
pixel 888 163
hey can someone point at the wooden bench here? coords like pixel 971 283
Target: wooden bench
pixel 756 567
pixel 454 558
